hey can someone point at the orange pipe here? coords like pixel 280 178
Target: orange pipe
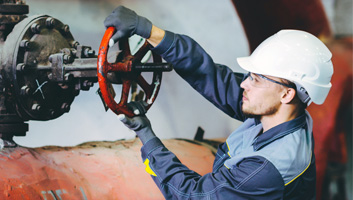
pixel 96 170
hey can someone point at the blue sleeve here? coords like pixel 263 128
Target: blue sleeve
pixel 217 83
pixel 252 178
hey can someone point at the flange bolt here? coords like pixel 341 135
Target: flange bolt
pixel 66 28
pixel 25 90
pixel 65 107
pixel 50 22
pixel 35 28
pixel 21 67
pixel 25 44
pixel 67 59
pixel 36 107
pixel 68 77
pixel 74 44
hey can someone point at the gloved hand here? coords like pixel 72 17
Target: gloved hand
pixel 140 124
pixel 127 23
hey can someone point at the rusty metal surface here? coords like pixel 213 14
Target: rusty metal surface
pixel 333 117
pixel 10 19
pixel 95 170
pixel 13 9
pixel 262 19
pixel 11 12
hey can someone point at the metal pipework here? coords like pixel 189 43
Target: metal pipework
pixel 11 12
pixel 43 69
pixel 28 90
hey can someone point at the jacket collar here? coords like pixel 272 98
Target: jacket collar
pixel 278 131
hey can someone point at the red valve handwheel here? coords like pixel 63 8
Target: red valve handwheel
pixel 126 74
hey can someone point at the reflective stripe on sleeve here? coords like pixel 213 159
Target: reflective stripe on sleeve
pixel 148 168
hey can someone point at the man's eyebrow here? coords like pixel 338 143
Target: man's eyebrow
pixel 255 75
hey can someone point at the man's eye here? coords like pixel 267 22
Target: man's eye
pixel 254 78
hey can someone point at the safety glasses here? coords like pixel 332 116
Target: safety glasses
pixel 260 81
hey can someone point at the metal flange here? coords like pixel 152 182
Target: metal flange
pixel 34 96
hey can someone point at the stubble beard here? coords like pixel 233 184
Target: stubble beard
pixel 250 112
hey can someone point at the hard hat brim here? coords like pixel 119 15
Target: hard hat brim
pixel 247 65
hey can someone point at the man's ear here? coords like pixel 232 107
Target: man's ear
pixel 288 95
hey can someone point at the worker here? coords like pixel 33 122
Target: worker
pixel 271 155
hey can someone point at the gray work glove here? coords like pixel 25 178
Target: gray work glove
pixel 127 23
pixel 140 124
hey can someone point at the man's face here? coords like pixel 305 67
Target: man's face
pixel 261 97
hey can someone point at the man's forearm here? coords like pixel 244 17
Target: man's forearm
pixel 157 36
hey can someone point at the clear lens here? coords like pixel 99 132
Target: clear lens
pixel 257 81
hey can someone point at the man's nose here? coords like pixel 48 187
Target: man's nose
pixel 245 83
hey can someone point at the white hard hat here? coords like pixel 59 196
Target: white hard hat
pixel 297 56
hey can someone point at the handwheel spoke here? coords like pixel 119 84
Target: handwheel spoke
pixel 125 92
pixel 123 67
pixel 141 52
pixel 157 58
pixel 151 90
pixel 125 48
pixel 145 86
pixel 156 82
